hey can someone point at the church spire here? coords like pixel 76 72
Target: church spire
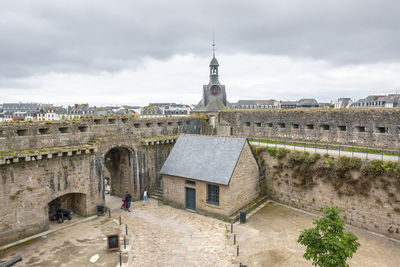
pixel 214 62
pixel 213 45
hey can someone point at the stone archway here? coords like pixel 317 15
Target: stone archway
pixel 119 170
pixel 75 202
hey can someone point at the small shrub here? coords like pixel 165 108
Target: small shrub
pixel 272 151
pixel 373 168
pixel 282 152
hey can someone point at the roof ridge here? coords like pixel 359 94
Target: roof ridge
pixel 216 136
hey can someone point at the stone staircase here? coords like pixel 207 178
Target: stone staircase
pixel 158 194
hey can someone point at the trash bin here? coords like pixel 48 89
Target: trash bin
pixel 100 210
pixel 243 216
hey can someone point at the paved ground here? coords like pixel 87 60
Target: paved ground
pixel 159 235
pixel 269 238
pixel 332 152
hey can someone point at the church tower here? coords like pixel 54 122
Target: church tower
pixel 214 94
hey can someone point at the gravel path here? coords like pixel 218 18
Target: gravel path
pixel 331 152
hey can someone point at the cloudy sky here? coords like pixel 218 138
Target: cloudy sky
pixel 135 52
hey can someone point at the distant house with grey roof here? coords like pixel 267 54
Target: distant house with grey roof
pixel 209 174
pixel 307 103
pixel 343 102
pixel 255 104
pixel 287 104
pixel 378 101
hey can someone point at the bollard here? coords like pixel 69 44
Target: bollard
pixel 382 154
pixel 352 152
pixel 109 213
pixel 366 155
pixel 126 229
pixel 339 151
pixel 237 251
pixel 120 258
pixel 231 228
pixel 234 239
pixel 120 220
pixel 124 242
pixel 243 216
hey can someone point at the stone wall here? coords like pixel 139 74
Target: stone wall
pixel 74 169
pixel 244 185
pixel 367 191
pixel 35 135
pixel 28 187
pixel 366 127
pixel 242 189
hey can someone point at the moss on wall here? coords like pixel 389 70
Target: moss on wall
pixel 367 190
pixel 348 175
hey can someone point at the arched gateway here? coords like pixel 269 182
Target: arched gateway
pixel 119 171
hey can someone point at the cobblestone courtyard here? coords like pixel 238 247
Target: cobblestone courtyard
pixel 160 235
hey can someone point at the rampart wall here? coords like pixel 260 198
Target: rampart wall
pixel 28 187
pixel 43 162
pixel 363 127
pixel 366 191
pixel 27 136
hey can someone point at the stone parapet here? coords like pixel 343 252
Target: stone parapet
pixel 364 127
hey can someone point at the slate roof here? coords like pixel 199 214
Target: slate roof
pixel 214 62
pixel 21 106
pixel 256 102
pixel 204 158
pixel 214 106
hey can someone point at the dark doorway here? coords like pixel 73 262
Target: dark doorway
pixel 190 198
pixel 73 202
pixel 119 171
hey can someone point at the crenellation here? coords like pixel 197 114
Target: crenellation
pixel 364 127
pixel 19 136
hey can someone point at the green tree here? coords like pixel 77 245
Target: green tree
pixel 328 244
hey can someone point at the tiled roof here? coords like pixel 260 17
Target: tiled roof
pixel 205 158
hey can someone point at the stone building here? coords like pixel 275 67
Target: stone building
pixel 212 175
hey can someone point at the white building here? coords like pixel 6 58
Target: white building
pixel 343 103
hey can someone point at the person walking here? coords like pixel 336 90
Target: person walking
pixel 128 199
pixel 145 196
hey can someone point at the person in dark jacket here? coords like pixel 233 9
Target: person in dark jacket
pixel 128 199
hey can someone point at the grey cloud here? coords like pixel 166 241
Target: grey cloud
pixel 90 36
